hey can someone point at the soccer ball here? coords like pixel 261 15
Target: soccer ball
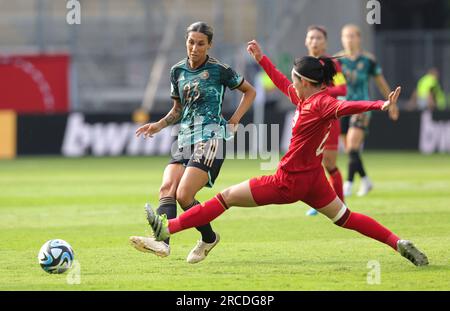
pixel 56 256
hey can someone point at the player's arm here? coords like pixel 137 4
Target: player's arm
pixel 247 98
pixel 150 129
pixel 384 88
pixel 344 108
pixel 382 85
pixel 277 77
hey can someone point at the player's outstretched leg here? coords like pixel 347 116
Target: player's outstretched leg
pixel 194 217
pixel 201 214
pixel 343 217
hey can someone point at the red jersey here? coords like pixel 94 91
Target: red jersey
pixel 312 121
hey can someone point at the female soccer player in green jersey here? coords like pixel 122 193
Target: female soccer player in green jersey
pixel 198 85
pixel 358 67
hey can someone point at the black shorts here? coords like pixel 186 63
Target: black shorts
pixel 207 156
pixel 360 121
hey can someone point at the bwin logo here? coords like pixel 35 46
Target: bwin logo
pixel 74 14
pixel 374 15
pixel 110 139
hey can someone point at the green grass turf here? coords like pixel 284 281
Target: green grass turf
pixel 97 203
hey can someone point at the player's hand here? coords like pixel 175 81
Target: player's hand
pixel 392 100
pixel 393 112
pixel 233 125
pixel 148 130
pixel 254 49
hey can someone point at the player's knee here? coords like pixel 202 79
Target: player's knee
pixel 184 196
pixel 167 189
pixel 227 196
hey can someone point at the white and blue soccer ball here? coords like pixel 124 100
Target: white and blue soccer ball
pixel 56 256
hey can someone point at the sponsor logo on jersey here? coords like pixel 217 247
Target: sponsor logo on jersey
pixel 204 75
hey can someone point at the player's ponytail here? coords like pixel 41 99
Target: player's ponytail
pixel 317 71
pixel 329 70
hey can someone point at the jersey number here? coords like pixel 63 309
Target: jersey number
pixel 191 92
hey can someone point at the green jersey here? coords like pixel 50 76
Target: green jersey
pixel 201 92
pixel 357 75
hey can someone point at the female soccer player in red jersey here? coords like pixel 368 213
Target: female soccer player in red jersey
pixel 300 176
pixel 316 43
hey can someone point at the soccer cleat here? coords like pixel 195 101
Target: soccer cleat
pixel 409 251
pixel 365 187
pixel 348 188
pixel 311 212
pixel 201 250
pixel 150 245
pixel 159 224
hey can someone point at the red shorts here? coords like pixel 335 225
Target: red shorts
pixel 332 142
pixel 311 187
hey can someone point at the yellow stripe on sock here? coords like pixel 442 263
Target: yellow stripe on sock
pixel 8 132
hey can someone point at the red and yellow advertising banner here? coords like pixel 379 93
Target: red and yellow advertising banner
pixel 34 83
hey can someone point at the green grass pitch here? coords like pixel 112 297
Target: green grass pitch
pixel 97 203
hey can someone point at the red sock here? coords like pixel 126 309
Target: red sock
pixel 198 215
pixel 371 228
pixel 336 183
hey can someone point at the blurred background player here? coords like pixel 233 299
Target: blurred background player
pixel 300 175
pixel 198 85
pixel 316 43
pixel 358 67
pixel 428 94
